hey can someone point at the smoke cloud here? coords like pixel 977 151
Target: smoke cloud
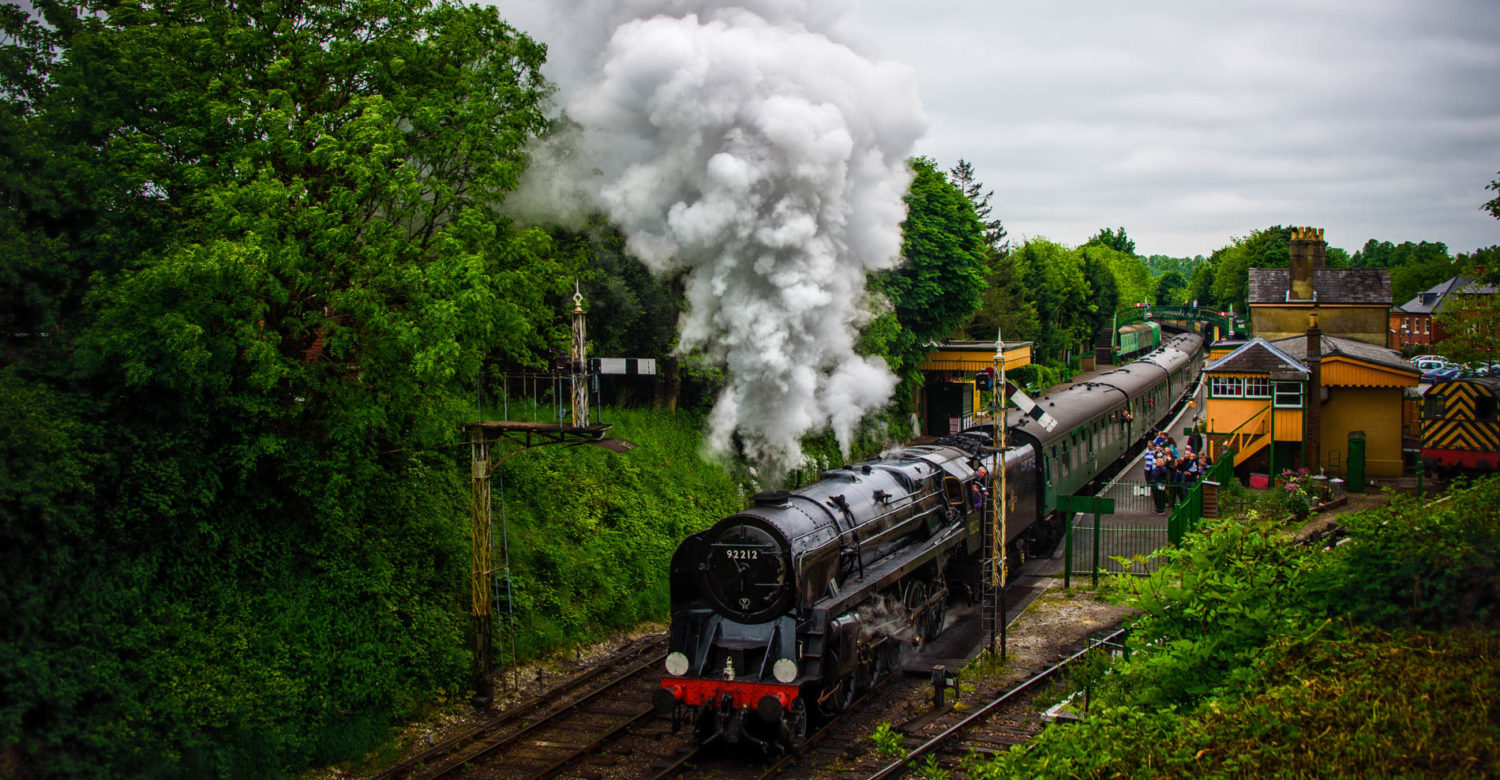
pixel 749 145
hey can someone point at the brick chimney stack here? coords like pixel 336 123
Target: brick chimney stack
pixel 1313 416
pixel 1307 250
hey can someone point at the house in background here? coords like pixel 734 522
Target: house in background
pixel 1351 302
pixel 1414 323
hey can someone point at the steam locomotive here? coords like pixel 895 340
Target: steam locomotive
pixel 792 607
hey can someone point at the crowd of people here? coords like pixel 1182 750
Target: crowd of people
pixel 1171 470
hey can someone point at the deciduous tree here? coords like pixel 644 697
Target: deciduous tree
pixel 938 285
pixel 254 265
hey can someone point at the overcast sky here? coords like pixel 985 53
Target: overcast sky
pixel 1188 123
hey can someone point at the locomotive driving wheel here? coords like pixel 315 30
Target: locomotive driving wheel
pixel 913 598
pixel 937 614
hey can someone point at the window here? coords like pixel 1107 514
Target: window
pixel 1288 395
pixel 1484 408
pixel 1432 406
pixel 1227 387
pixel 1257 387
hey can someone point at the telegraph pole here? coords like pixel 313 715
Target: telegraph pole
pixel 999 565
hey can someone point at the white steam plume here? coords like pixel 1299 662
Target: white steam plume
pixel 744 143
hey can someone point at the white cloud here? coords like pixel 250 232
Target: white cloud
pixel 1189 123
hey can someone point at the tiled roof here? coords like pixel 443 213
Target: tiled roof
pixel 1296 347
pixel 1438 294
pixel 1331 285
pixel 1256 356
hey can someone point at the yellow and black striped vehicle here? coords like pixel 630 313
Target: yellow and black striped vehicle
pixel 1460 425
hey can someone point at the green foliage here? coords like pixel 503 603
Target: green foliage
pixel 1060 294
pixel 1255 657
pixel 1114 239
pixel 1231 264
pixel 1414 266
pixel 1492 206
pixel 888 741
pixel 963 177
pixel 1037 377
pixel 592 532
pixel 1004 307
pixel 937 287
pixel 1429 566
pixel 257 256
pixel 1170 289
pixel 1098 267
pixel 1201 286
pixel 1160 265
pixel 1471 321
pixel 632 313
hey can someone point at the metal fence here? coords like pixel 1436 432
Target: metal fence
pixel 1189 512
pixel 1130 496
pixel 1111 547
pixel 1115 545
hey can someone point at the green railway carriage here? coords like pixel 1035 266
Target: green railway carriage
pixel 1136 339
pixel 1098 421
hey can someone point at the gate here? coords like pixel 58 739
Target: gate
pixel 1095 543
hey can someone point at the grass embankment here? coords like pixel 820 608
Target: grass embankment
pixel 592 532
pixel 1379 657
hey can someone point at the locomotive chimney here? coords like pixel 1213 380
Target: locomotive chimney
pixel 1313 417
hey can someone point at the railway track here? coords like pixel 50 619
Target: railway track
pixel 1007 720
pixel 553 731
pixel 708 761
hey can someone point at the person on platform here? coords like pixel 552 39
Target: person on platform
pixel 1155 475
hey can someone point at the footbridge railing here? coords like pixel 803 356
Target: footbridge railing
pixel 1228 323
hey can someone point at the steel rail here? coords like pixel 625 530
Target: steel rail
pixel 558 713
pixel 423 760
pixel 895 768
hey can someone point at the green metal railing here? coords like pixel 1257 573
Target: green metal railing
pixel 1228 324
pixel 1186 515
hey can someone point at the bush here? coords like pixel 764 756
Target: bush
pixel 1380 657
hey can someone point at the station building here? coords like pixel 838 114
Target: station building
pixel 1332 404
pixel 950 397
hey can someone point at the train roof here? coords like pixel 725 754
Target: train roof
pixel 1072 406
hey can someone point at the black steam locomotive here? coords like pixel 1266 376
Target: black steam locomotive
pixel 800 602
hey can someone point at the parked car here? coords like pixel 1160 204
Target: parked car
pixel 1431 364
pixel 1419 358
pixel 1440 374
